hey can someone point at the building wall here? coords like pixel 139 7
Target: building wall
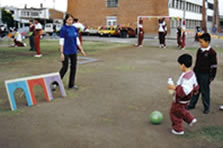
pixel 94 13
pixel 54 14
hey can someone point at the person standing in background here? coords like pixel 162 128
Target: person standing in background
pixel 183 30
pixel 38 29
pixel 178 36
pixel 31 35
pixel 140 33
pixel 162 32
pixel 80 27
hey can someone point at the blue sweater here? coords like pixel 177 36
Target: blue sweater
pixel 70 34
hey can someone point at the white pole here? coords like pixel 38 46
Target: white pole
pixel 53 4
pixel 184 14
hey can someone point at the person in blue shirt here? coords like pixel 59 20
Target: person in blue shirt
pixel 69 46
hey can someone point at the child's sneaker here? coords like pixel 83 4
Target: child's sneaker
pixel 54 87
pixel 177 133
pixel 193 122
pixel 38 55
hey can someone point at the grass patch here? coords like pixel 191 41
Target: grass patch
pixel 49 48
pixel 212 134
pixel 217 49
pixel 8 112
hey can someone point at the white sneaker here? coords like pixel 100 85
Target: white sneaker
pixel 193 122
pixel 140 46
pixel 221 107
pixel 25 44
pixel 177 133
pixel 54 87
pixel 38 55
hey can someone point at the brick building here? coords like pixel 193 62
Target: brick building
pixel 116 12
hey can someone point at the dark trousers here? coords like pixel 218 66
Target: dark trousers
pixel 140 38
pixel 179 41
pixel 31 43
pixel 204 83
pixel 18 43
pixel 162 38
pixel 73 66
pixel 183 43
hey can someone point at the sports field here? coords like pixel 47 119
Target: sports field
pixel 111 109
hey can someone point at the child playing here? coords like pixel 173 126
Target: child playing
pixel 205 70
pixel 141 33
pixel 186 86
pixel 18 39
pixel 179 36
pixel 162 32
pixel 183 32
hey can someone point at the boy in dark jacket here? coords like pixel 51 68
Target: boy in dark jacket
pixel 205 70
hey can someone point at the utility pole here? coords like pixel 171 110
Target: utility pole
pixel 216 21
pixel 204 24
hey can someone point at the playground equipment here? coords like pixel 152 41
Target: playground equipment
pixel 28 83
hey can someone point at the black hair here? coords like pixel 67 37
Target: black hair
pixel 185 59
pixel 206 37
pixel 66 17
pixel 75 19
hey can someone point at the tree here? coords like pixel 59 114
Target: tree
pixel 214 22
pixel 216 17
pixel 204 24
pixel 7 18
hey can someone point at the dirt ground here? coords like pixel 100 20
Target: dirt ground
pixel 112 106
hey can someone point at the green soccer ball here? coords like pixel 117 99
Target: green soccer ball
pixel 156 117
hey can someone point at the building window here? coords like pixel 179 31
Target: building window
pixel 210 18
pixel 112 3
pixel 170 3
pixel 210 6
pixel 111 21
pixel 174 4
pixel 34 14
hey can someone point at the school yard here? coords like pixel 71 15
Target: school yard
pixel 111 109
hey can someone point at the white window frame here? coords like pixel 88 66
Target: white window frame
pixel 111 21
